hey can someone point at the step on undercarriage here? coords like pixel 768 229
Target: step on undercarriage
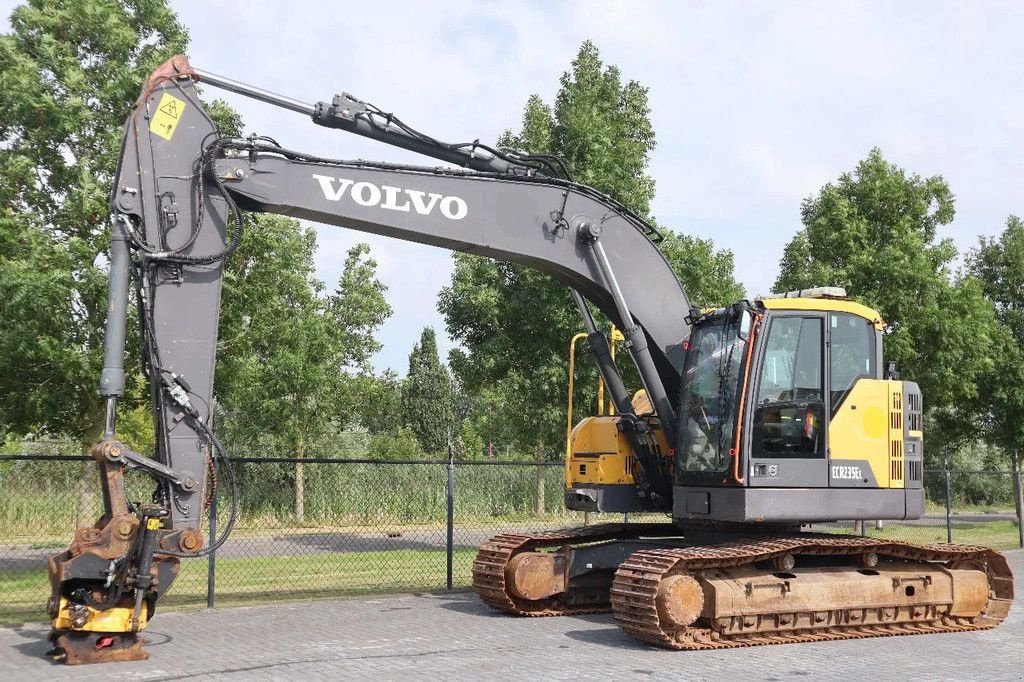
pixel 745 592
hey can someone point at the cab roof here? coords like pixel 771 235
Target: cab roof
pixel 827 299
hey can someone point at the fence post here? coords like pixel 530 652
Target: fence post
pixel 450 498
pixel 949 501
pixel 211 558
pixel 1018 500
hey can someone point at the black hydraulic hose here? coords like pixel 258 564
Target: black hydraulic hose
pixel 222 456
pixel 219 451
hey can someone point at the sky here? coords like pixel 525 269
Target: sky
pixel 755 105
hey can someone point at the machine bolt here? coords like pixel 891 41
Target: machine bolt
pixel 588 230
pixel 239 173
pixel 190 541
pixel 124 530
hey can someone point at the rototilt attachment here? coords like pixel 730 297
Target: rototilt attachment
pixel 104 587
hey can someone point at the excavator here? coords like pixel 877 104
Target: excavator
pixel 760 418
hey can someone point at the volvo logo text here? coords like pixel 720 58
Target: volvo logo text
pixel 392 198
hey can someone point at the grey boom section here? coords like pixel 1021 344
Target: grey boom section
pixel 175 178
pixel 156 189
pixel 511 219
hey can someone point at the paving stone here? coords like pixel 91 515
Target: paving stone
pixel 453 636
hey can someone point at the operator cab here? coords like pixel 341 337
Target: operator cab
pixel 784 415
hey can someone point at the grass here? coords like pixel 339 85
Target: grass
pixel 23 593
pixel 999 534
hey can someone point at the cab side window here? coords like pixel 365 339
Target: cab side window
pixel 791 390
pixel 851 355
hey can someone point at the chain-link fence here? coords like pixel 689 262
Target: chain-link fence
pixel 964 507
pixel 329 527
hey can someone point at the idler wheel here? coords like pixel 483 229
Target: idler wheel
pixel 536 575
pixel 680 600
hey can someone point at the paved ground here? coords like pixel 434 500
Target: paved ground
pixel 454 637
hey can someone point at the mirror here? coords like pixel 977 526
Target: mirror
pixel 746 321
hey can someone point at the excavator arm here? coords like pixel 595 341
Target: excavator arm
pixel 178 204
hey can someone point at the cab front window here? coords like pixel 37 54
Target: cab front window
pixel 710 391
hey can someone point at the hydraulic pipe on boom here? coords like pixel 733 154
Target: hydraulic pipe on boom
pixel 601 349
pixel 112 375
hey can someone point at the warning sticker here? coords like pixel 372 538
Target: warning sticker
pixel 167 115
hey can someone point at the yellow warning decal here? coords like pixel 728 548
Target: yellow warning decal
pixel 167 115
pixel 154 524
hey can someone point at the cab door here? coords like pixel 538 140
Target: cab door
pixel 789 414
pixel 858 404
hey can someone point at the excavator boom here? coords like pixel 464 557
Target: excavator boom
pixel 177 216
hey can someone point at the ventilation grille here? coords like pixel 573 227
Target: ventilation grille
pixel 914 411
pixel 896 438
pixel 896 411
pixel 915 470
pixel 896 461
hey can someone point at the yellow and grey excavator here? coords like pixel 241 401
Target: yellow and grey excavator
pixel 761 416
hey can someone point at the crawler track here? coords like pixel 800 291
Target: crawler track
pixel 637 580
pixel 494 555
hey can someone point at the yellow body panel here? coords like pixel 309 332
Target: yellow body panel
pixel 117 619
pixel 859 429
pixel 825 304
pixel 869 426
pixel 600 453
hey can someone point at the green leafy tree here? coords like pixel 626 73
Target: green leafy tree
pixel 427 395
pixel 69 71
pixel 998 263
pixel 288 355
pixel 379 407
pixel 515 323
pixel 874 232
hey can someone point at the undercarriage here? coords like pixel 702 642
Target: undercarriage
pixel 666 587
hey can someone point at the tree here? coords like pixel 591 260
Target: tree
pixel 427 395
pixel 379 408
pixel 998 263
pixel 69 72
pixel 515 323
pixel 287 354
pixel 874 232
